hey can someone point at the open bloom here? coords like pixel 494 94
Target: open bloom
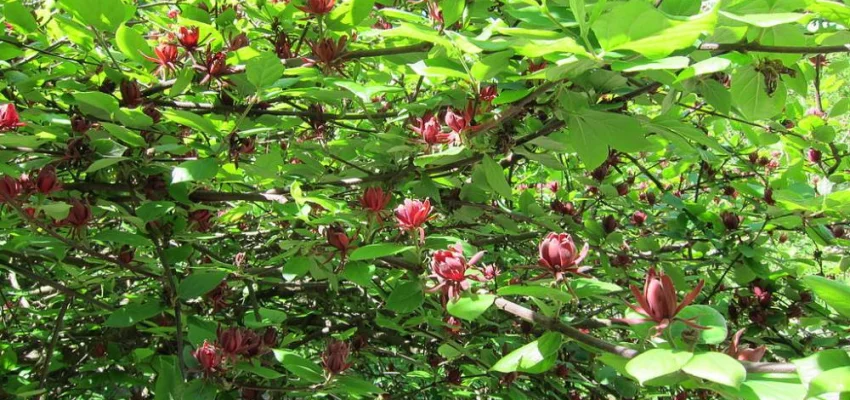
pixel 166 58
pixel 412 214
pixel 431 131
pixel 449 267
pixel 374 199
pixel 9 118
pixel 237 341
pixel 744 354
pixel 488 93
pixel 328 53
pixel 335 358
pixel 10 188
pixel 457 121
pixel 658 302
pixel 318 7
pixel 214 66
pixel 208 356
pixel 559 255
pixel 188 37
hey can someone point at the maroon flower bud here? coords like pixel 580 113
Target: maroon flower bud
pixel 456 121
pixel 621 260
pixel 768 196
pixel 338 239
pixel 658 302
pixel 838 231
pixel 534 67
pixel 155 187
pixel 744 354
pixel 328 52
pixel 805 297
pixel 78 216
pixel 794 311
pixel 508 379
pixel 559 255
pixel 623 189
pixel 783 238
pixel 250 394
pixel 600 172
pixel 218 296
pixel 9 118
pixel 488 93
pixel 151 111
pixel 79 124
pixel 98 350
pixel 237 42
pixel 10 189
pixel 814 155
pixel 454 376
pixel 46 181
pixel 335 358
pixel 730 191
pixel 638 218
pixel 318 7
pixel 610 224
pixel 188 37
pixel 270 337
pixel 732 311
pixel 200 220
pixel 787 123
pixel 649 198
pixel 208 357
pixel 126 255
pixel 381 23
pixel 563 208
pixel 730 220
pixel 562 371
pixel 131 95
pixel 434 360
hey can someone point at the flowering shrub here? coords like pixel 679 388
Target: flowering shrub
pixel 268 199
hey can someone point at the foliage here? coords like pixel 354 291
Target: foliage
pixel 438 199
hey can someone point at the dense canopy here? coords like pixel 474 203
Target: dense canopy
pixel 267 199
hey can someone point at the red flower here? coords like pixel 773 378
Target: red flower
pixel 742 354
pixel 658 302
pixel 488 93
pixel 412 214
pixel 80 124
pixel 374 199
pixel 638 218
pixel 214 66
pixel 10 189
pixel 563 208
pixel 208 356
pixel 457 122
pixel 339 240
pixel 9 118
pixel 328 53
pixel 335 357
pixel 318 7
pixel 188 37
pixel 79 215
pixel 449 268
pixel 126 254
pixel 46 182
pixel 431 131
pixel 237 341
pixel 166 57
pixel 534 67
pixel 559 255
pixel 173 13
pixel 434 12
pixel 200 220
pixel 237 42
pixel 768 196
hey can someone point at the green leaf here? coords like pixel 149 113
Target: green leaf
pixel 750 96
pixel 406 297
pixel 496 177
pixel 656 36
pixel 199 283
pixel 268 317
pixel 356 386
pixel 810 367
pixel 675 63
pixel 377 250
pixel 194 170
pixel 263 372
pixel 191 120
pixel 97 104
pixel 298 266
pixel 133 44
pixel 103 163
pixel 299 366
pixel 264 70
pixel 765 20
pixel 124 135
pixel 716 367
pixel 132 314
pixel 836 380
pixel 591 132
pixel 656 363
pixel 105 15
pixel 19 16
pixel 470 306
pixel 538 292
pixel 772 389
pixel 359 273
pixel 533 358
pixel 452 11
pixel 833 293
pixel 705 316
pixel 489 66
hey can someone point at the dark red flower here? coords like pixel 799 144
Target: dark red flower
pixel 562 371
pixel 188 37
pixel 374 200
pixel 46 182
pixel 449 267
pixel 218 296
pixel 563 208
pixel 10 189
pixel 335 358
pixel 200 220
pixel 214 66
pixel 600 172
pixel 270 337
pixel 838 231
pixel 382 24
pixel 126 254
pixel 208 357
pixel 730 220
pixel 454 376
pixel 78 216
pixel 638 218
pixel 237 42
pixel 559 255
pixel 659 302
pixel 318 7
pixel 9 118
pixel 814 155
pixel 744 354
pixel 819 60
pixel 610 224
pixel 623 188
pixel 236 341
pixel 166 58
pixel 431 131
pixel 768 196
pixel 339 240
pixel 534 67
pixel 79 124
pixel 488 93
pixel 328 52
pixel 283 46
pixel 131 95
pixel 412 214
pixel 649 198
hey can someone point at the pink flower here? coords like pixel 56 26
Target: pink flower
pixel 318 7
pixel 431 131
pixel 638 218
pixel 412 214
pixel 659 302
pixel 449 267
pixel 208 356
pixel 9 118
pixel 559 255
pixel 744 354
